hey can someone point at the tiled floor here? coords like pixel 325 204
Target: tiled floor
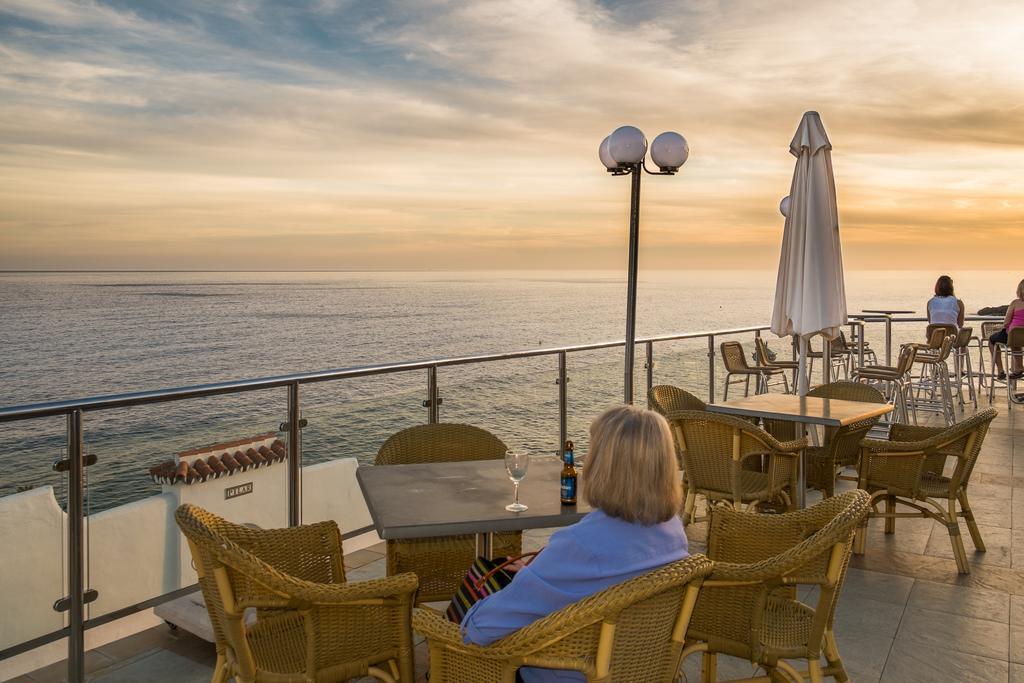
pixel 905 615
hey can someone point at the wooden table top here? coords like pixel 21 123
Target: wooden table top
pixel 450 498
pixel 808 409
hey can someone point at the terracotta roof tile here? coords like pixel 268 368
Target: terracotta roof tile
pixel 197 469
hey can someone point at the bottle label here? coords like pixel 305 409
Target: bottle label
pixel 569 489
pixel 568 457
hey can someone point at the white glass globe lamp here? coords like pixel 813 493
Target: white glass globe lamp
pixel 627 145
pixel 784 206
pixel 669 151
pixel 606 155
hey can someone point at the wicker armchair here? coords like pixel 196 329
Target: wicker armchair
pixel 716 448
pixel 842 444
pixel 310 625
pixel 630 632
pixel 908 470
pixel 747 606
pixel 441 562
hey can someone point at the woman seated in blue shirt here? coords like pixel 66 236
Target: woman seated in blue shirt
pixel 632 482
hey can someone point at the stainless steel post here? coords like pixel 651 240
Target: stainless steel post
pixel 860 343
pixel 563 403
pixel 888 338
pixel 650 366
pixel 634 240
pixel 76 550
pixel 711 368
pixel 432 400
pixel 294 457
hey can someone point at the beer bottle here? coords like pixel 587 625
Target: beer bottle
pixel 569 477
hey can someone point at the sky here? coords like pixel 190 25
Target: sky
pixel 427 134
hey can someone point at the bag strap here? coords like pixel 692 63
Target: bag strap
pixel 483 579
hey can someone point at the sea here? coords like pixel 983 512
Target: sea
pixel 69 335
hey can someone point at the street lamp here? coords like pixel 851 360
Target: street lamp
pixel 623 153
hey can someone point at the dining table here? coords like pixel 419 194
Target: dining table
pixel 467 497
pixel 805 410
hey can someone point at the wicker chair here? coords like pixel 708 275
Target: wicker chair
pixel 310 624
pixel 630 632
pixel 842 444
pixel 908 470
pixel 764 359
pixel 747 606
pixel 716 448
pixel 670 401
pixel 441 562
pixel 738 371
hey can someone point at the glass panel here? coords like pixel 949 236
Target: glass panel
pixel 32 528
pixel 134 549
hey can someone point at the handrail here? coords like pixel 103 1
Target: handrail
pixel 136 398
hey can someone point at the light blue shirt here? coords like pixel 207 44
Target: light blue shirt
pixel 597 552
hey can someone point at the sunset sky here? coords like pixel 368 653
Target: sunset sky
pixel 257 135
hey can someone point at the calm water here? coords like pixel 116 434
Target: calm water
pixel 70 335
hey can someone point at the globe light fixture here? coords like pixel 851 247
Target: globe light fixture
pixel 627 145
pixel 784 206
pixel 606 155
pixel 623 153
pixel 669 151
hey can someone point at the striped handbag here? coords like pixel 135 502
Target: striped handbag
pixel 483 578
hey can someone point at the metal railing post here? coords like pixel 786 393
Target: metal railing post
pixel 432 398
pixel 76 550
pixel 294 457
pixel 563 402
pixel 650 366
pixel 860 343
pixel 888 339
pixel 711 368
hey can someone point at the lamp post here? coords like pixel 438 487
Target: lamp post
pixel 623 153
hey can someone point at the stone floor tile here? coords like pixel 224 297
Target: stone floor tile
pixel 887 588
pixel 859 618
pixel 56 673
pixel 373 570
pixel 361 558
pixel 930 628
pixel 913 663
pixel 970 602
pixel 1016 673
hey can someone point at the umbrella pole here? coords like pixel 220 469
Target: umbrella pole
pixel 802 368
pixel 634 244
pixel 799 496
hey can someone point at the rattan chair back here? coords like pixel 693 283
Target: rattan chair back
pixel 906 360
pixel 715 448
pixel 444 442
pixel 989 328
pixel 669 400
pixel 734 359
pixel 963 337
pixel 848 391
pixel 935 333
pixel 741 612
pixel 632 631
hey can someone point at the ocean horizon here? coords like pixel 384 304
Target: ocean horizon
pixel 73 334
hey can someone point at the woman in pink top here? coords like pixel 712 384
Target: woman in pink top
pixel 1014 318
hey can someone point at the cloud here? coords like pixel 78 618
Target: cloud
pixel 387 132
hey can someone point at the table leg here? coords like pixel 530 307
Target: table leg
pixel 799 496
pixel 485 545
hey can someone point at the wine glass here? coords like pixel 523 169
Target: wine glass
pixel 516 464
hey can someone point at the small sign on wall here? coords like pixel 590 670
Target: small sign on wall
pixel 236 491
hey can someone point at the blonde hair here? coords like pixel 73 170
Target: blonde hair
pixel 1020 290
pixel 631 470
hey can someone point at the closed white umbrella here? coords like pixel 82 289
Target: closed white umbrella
pixel 810 296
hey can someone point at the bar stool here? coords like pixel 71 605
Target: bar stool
pixel 764 359
pixel 738 371
pixel 893 380
pixel 987 330
pixel 1011 350
pixel 931 391
pixel 869 353
pixel 962 366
